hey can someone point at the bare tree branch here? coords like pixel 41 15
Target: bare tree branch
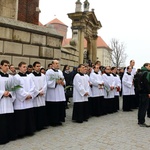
pixel 117 55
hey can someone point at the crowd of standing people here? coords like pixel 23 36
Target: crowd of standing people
pixel 34 98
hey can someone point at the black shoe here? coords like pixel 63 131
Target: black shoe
pixel 59 124
pixel 130 110
pixel 53 124
pixel 79 121
pixel 56 124
pixel 86 120
pixel 143 125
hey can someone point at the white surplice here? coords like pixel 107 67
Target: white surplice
pixel 6 103
pixel 127 84
pixel 28 88
pixel 40 86
pixel 55 92
pixel 80 87
pixel 117 84
pixel 96 80
pixel 108 82
pixel 90 90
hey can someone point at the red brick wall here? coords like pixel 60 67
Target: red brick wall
pixel 27 11
pixel 22 4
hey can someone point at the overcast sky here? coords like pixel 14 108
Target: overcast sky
pixel 125 20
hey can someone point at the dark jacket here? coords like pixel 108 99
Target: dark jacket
pixel 146 83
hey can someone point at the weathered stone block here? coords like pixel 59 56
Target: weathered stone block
pixel 55 42
pixel 76 64
pixel 64 55
pixel 1 46
pixel 6 33
pixel 3 2
pixel 57 53
pixel 2 57
pixel 48 61
pixel 10 3
pixel 12 48
pixel 76 53
pixel 16 60
pixel 13 14
pixel 64 62
pixel 30 50
pixel 46 52
pixel 6 12
pixel 21 36
pixel 71 63
pixel 71 57
pixel 42 61
pixel 38 39
pixel 76 59
pixel 71 51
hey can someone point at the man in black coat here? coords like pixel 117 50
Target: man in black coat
pixel 144 95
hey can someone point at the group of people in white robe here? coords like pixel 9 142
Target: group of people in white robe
pixel 98 93
pixel 31 102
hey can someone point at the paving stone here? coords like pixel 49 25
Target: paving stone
pixel 117 131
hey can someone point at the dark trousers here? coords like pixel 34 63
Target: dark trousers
pixel 143 106
pixel 127 99
pixel 7 128
pixel 56 112
pixel 80 111
pixel 25 122
pixel 148 110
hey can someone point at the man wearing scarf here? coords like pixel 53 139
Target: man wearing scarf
pixel 144 95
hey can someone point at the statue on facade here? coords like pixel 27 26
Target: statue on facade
pixel 86 5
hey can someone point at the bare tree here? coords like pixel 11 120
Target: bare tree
pixel 117 55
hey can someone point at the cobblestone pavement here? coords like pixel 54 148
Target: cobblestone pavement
pixel 118 131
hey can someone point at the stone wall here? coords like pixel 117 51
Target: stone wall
pixel 8 8
pixel 20 41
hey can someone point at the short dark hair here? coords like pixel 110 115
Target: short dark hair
pixel 97 62
pixel 53 61
pixel 4 61
pixel 11 65
pixel 80 65
pixel 35 63
pixel 21 63
pixel 49 65
pixel 129 67
pixel 146 64
pixel 112 68
pixel 30 66
pixel 42 69
pixel 131 60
